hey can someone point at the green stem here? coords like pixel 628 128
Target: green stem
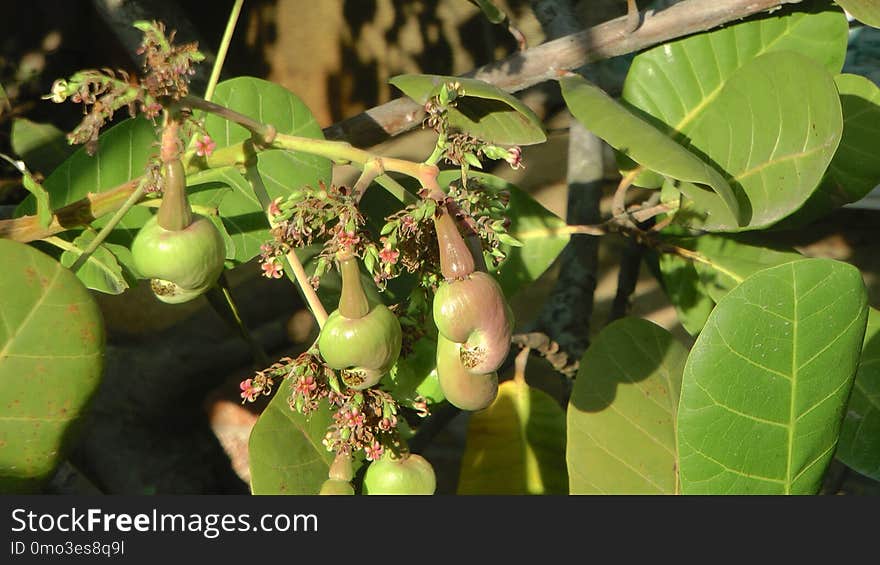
pixel 109 227
pixel 439 150
pixel 224 48
pixel 227 308
pixel 396 189
pixel 311 296
pixel 201 210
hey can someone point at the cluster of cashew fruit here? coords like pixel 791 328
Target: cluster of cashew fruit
pixel 363 339
pixel 474 323
pixel 182 253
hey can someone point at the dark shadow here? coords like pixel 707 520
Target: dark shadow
pixel 615 368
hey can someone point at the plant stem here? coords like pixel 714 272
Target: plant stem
pixel 395 189
pixel 311 296
pixel 109 226
pixel 224 48
pixel 265 132
pixel 226 308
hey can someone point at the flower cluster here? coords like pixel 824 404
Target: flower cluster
pixel 364 420
pixel 167 71
pixel 263 381
pixel 480 209
pixel 309 214
pixel 167 67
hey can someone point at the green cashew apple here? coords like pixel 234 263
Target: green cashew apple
pixel 184 263
pixel 462 388
pixel 360 337
pixel 336 487
pixel 408 474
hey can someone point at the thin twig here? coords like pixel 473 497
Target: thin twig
pixel 109 227
pixel 224 48
pixel 308 291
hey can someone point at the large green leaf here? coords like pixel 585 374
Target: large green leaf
pixel 279 172
pixel 773 129
pixel 621 416
pixel 677 81
pixel 642 142
pixel 541 232
pixel 859 445
pixel 122 155
pixel 484 111
pixel 766 384
pixel 42 146
pixel 855 169
pixel 51 359
pixel 285 450
pixel 516 445
pixel 866 11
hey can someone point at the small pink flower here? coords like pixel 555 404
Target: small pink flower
pixel 205 146
pixel 353 417
pixel 274 209
pixel 306 385
pixel 388 255
pixel 514 158
pixel 248 391
pixel 374 452
pixel 272 269
pixel 347 238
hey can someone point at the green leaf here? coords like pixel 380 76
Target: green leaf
pixel 122 155
pixel 51 359
pixel 416 374
pixel 724 262
pixel 621 416
pixel 42 146
pixel 541 232
pixel 717 264
pixel 641 141
pixel 773 129
pixel 679 80
pixel 484 111
pixel 854 171
pixel 101 271
pixel 516 445
pixel 766 384
pixel 859 445
pixel 279 172
pixel 492 12
pixel 286 453
pixel 866 11
pixel 685 290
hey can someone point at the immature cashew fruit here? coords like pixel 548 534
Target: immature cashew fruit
pixel 407 474
pixel 181 252
pixel 359 337
pixel 474 323
pixel 340 474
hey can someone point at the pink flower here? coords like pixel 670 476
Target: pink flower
pixel 374 452
pixel 388 255
pixel 306 385
pixel 274 209
pixel 248 391
pixel 514 158
pixel 205 146
pixel 347 238
pixel 272 269
pixel 353 417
